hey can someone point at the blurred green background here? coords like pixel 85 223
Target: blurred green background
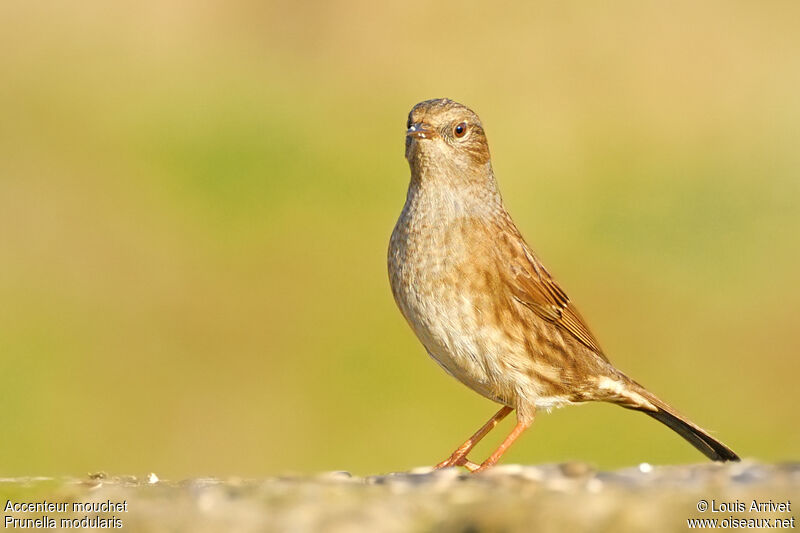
pixel 196 200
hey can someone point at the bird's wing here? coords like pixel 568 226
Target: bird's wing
pixel 534 287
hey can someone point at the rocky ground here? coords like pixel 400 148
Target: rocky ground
pixel 544 498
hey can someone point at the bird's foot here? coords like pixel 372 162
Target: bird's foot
pixel 458 459
pixel 453 460
pixel 487 464
pixel 472 467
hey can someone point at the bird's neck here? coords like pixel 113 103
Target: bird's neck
pixel 455 193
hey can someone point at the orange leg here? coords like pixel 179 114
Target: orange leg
pixel 516 432
pixel 459 457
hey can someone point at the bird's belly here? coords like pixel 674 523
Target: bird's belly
pixel 450 327
pixel 464 356
pixel 440 319
pixel 490 360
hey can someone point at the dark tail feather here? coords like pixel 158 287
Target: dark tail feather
pixel 695 435
pixel 708 445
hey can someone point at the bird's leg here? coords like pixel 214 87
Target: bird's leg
pixel 516 432
pixel 459 457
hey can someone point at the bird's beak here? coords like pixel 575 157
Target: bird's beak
pixel 420 130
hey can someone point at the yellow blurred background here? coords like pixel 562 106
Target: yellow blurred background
pixel 196 200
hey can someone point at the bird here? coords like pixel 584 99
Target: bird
pixel 482 303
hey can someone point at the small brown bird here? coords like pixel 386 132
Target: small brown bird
pixel 482 303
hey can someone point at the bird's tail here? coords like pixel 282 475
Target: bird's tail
pixel 694 434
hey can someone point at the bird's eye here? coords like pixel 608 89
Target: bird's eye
pixel 460 130
pixel 408 124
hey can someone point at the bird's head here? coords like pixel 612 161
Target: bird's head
pixel 445 136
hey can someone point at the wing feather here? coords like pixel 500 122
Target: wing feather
pixel 534 287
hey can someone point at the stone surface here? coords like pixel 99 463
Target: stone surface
pixel 543 498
